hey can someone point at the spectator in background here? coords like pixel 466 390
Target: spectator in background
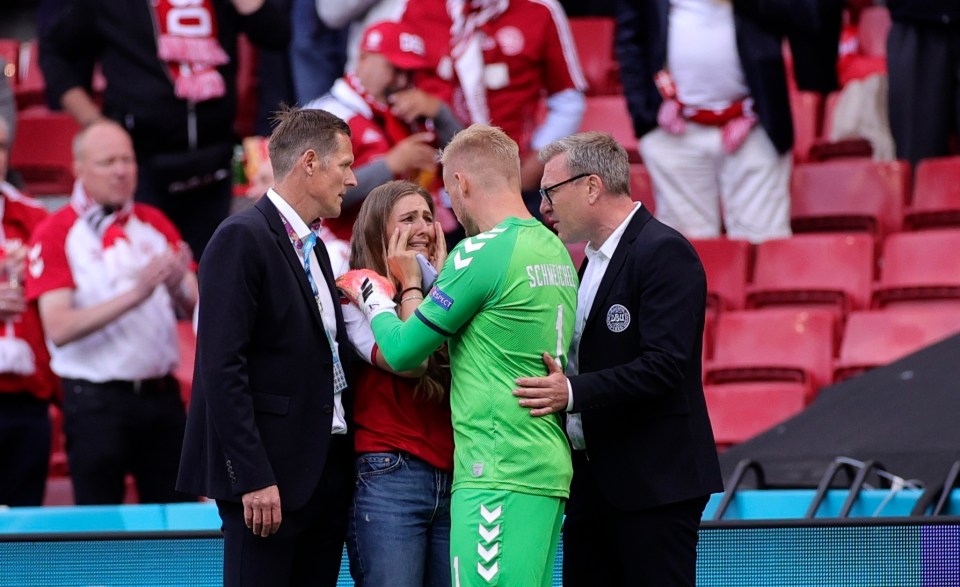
pixel 318 52
pixel 395 129
pixel 171 83
pixel 715 125
pixel 644 461
pixel 923 63
pixel 27 386
pixel 501 59
pixel 111 277
pixel 399 528
pixel 355 17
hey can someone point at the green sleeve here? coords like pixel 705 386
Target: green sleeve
pixel 404 345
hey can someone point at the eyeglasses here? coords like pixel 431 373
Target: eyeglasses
pixel 545 192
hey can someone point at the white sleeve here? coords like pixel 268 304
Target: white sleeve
pixel 564 113
pixel 358 329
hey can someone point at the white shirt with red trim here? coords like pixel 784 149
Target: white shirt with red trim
pixel 66 252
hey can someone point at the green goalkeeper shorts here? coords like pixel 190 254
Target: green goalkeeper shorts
pixel 503 538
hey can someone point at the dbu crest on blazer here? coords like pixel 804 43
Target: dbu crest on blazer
pixel 618 318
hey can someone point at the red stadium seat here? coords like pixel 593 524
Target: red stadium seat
pixel 920 268
pixel 247 57
pixel 609 114
pixel 594 39
pixel 824 148
pixel 834 271
pixel 874 27
pixel 740 411
pixel 805 108
pixel 188 350
pixel 42 151
pixel 727 265
pixel 641 187
pixel 875 338
pixel 58 444
pixel 576 251
pixel 773 345
pixel 849 195
pixel 30 84
pixel 936 194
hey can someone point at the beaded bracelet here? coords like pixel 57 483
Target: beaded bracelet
pixel 411 298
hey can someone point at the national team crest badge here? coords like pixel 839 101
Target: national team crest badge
pixel 618 318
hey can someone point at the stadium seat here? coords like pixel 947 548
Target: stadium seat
pixel 576 251
pixel 247 81
pixel 824 148
pixel 849 195
pixel 594 39
pixel 641 187
pixel 833 271
pixel 936 194
pixel 58 444
pixel 609 114
pixel 42 151
pixel 874 28
pixel 30 84
pixel 188 349
pixel 875 338
pixel 805 108
pixel 727 265
pixel 773 345
pixel 740 411
pixel 920 268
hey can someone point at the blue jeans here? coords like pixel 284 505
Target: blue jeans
pixel 399 524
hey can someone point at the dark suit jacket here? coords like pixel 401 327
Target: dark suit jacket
pixel 262 401
pixel 812 26
pixel 639 391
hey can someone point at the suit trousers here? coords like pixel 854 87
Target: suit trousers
pixel 700 189
pixel 923 61
pixel 308 547
pixel 606 545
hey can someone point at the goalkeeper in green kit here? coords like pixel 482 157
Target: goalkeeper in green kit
pixel 506 295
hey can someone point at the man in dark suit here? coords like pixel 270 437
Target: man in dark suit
pixel 644 460
pixel 268 431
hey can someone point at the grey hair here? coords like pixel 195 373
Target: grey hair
pixel 596 153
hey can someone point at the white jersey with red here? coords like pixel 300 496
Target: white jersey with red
pixel 67 253
pixel 367 138
pixel 528 53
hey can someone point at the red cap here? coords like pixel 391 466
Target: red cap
pixel 402 47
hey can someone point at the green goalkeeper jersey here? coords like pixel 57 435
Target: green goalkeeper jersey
pixel 504 298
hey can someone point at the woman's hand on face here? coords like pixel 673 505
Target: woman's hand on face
pixel 402 263
pixel 439 256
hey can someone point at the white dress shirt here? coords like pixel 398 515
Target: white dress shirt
pixel 597 262
pixel 324 298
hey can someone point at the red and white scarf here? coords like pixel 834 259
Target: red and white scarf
pixel 187 43
pixel 108 224
pixel 467 17
pixel 393 127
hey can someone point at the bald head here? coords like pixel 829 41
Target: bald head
pixel 105 164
